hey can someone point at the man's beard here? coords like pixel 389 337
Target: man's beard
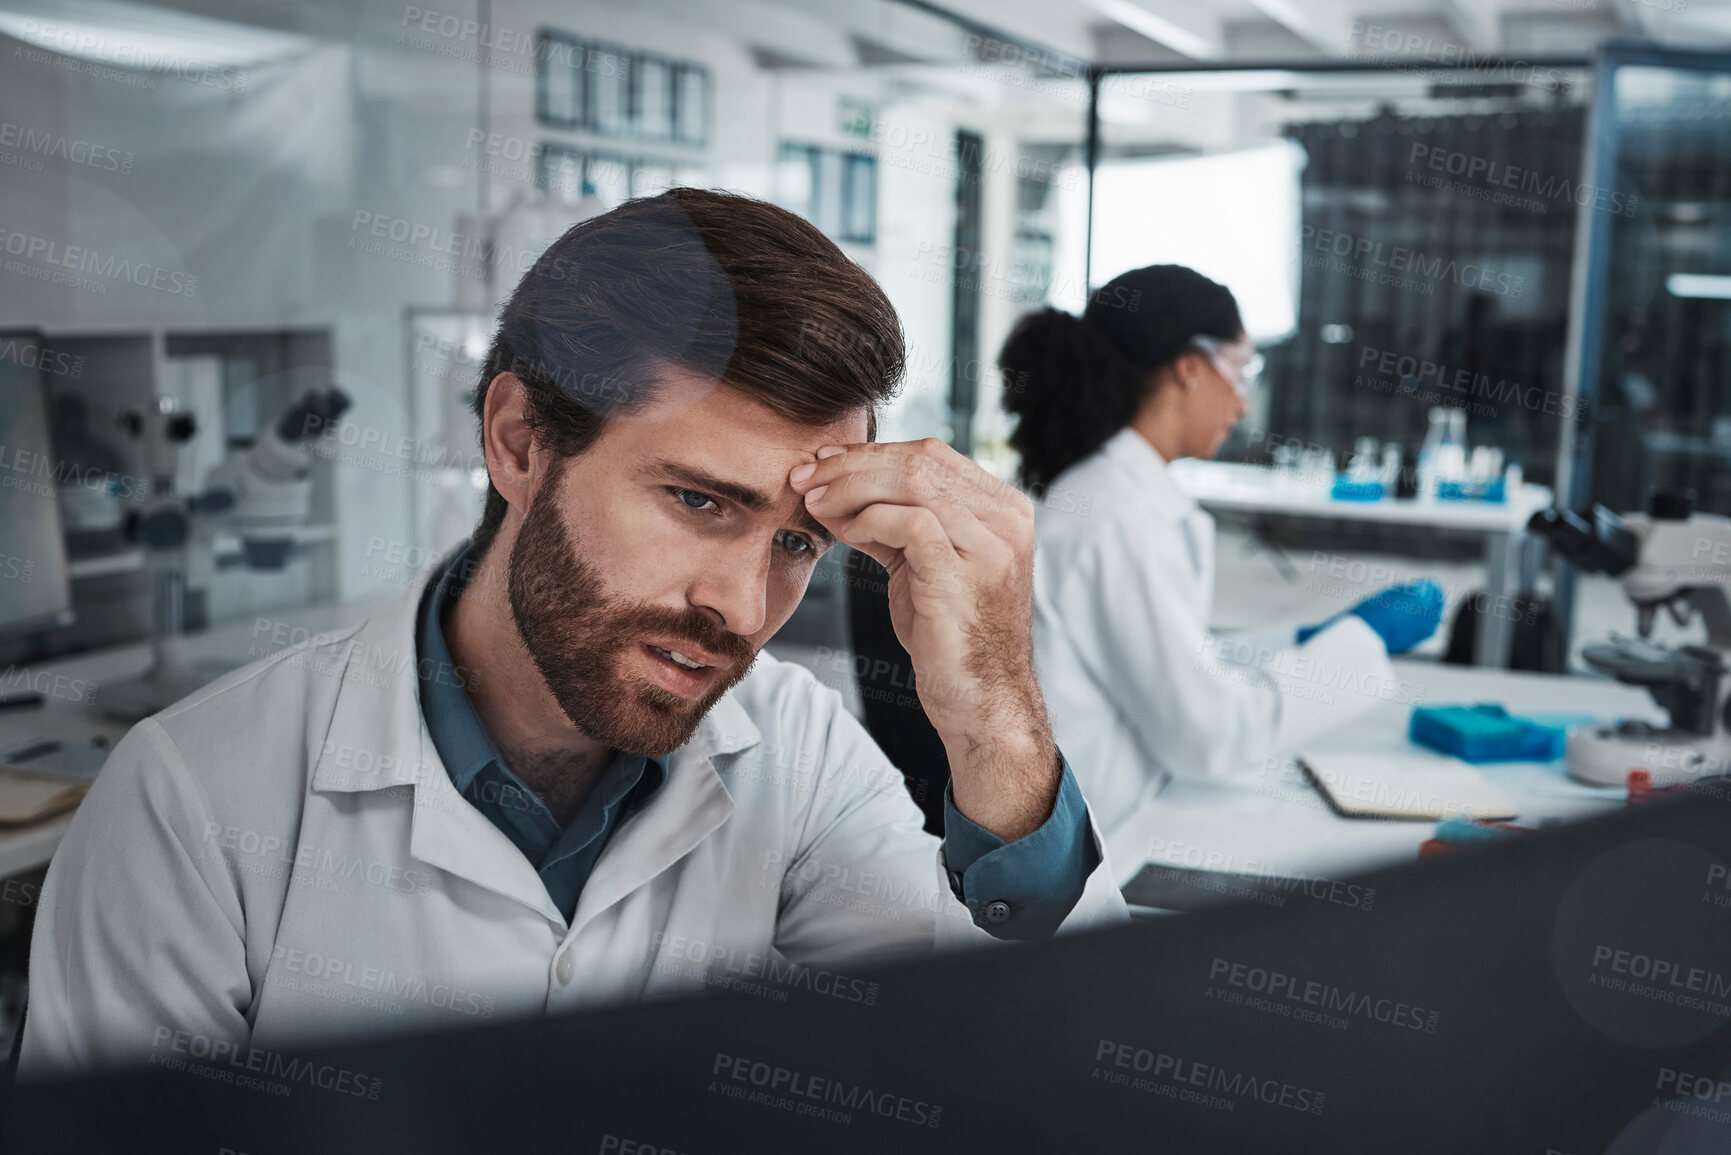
pixel 579 638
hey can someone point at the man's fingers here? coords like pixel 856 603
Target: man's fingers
pixel 849 494
pixel 911 533
pixel 915 473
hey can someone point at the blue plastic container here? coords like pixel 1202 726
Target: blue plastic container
pixel 1346 489
pixel 1485 733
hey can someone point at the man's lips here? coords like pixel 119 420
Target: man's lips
pixel 689 650
pixel 679 679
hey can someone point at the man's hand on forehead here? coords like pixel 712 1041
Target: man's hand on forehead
pixel 977 511
pixel 959 547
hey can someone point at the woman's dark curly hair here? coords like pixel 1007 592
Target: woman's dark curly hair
pixel 1073 382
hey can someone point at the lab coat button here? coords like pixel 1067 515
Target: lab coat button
pixel 567 967
pixel 956 884
pixel 997 911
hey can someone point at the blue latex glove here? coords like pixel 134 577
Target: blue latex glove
pixel 1403 615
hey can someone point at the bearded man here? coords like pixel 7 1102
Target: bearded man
pixel 561 772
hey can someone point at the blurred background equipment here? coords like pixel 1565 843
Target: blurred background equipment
pixel 262 493
pixel 1670 559
pixel 34 591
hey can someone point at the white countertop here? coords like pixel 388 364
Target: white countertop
pixel 236 643
pixel 1275 822
pixel 1255 489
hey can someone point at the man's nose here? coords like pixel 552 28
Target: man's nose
pixel 734 585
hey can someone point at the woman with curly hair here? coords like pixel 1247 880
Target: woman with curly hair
pixel 1156 368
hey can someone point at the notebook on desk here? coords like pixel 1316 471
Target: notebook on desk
pixel 27 796
pixel 1412 784
pixel 40 779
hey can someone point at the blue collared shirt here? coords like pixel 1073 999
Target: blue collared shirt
pixel 1019 890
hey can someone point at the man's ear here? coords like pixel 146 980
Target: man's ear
pixel 507 441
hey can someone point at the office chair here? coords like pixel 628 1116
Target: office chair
pixel 885 674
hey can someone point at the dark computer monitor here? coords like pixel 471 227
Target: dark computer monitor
pixel 35 587
pixel 1564 991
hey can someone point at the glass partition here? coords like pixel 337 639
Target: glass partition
pixel 1397 239
pixel 1655 327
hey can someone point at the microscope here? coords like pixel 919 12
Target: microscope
pixel 261 493
pixel 1674 559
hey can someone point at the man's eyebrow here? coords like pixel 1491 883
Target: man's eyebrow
pixel 743 496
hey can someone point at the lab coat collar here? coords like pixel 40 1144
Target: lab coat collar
pixel 1150 474
pixel 378 739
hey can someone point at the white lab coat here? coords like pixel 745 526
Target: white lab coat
pixel 282 857
pixel 1139 691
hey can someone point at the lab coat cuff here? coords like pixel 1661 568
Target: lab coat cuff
pixel 1023 889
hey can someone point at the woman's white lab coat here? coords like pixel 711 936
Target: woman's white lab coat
pixel 282 856
pixel 1139 690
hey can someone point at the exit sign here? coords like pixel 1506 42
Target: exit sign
pixel 854 117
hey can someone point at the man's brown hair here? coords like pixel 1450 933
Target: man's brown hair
pixel 722 285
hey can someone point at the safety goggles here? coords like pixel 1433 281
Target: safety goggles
pixel 1243 378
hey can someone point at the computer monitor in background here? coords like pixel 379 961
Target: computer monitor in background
pixel 35 588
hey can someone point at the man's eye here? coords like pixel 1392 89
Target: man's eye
pixel 692 499
pixel 796 544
